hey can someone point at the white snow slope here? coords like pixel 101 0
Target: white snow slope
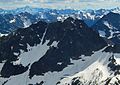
pixel 88 69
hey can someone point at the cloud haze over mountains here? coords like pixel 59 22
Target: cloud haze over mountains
pixel 55 0
pixel 61 4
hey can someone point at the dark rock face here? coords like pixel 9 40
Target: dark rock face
pixel 73 42
pixel 110 25
pixel 9 69
pixel 113 66
pixel 73 36
pixel 113 49
pixel 111 18
pixel 76 81
pixel 18 40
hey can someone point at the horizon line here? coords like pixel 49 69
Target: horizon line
pixel 63 5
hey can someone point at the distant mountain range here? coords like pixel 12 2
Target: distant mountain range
pixel 23 17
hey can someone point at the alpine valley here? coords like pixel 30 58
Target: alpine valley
pixel 59 47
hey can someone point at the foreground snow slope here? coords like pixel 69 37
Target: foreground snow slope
pixel 97 73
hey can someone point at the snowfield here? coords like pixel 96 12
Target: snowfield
pixel 87 69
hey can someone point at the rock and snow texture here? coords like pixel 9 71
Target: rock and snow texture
pixel 45 53
pixel 56 54
pixel 101 33
pixel 109 27
pixel 12 21
pixel 97 73
pixel 89 70
pixel 25 59
pixel 65 52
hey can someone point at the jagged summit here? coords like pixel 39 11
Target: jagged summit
pixel 45 48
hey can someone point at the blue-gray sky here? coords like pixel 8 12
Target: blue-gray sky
pixel 60 4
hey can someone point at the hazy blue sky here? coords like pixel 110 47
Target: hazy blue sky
pixel 60 4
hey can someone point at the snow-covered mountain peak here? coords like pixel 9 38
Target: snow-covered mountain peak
pixel 97 73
